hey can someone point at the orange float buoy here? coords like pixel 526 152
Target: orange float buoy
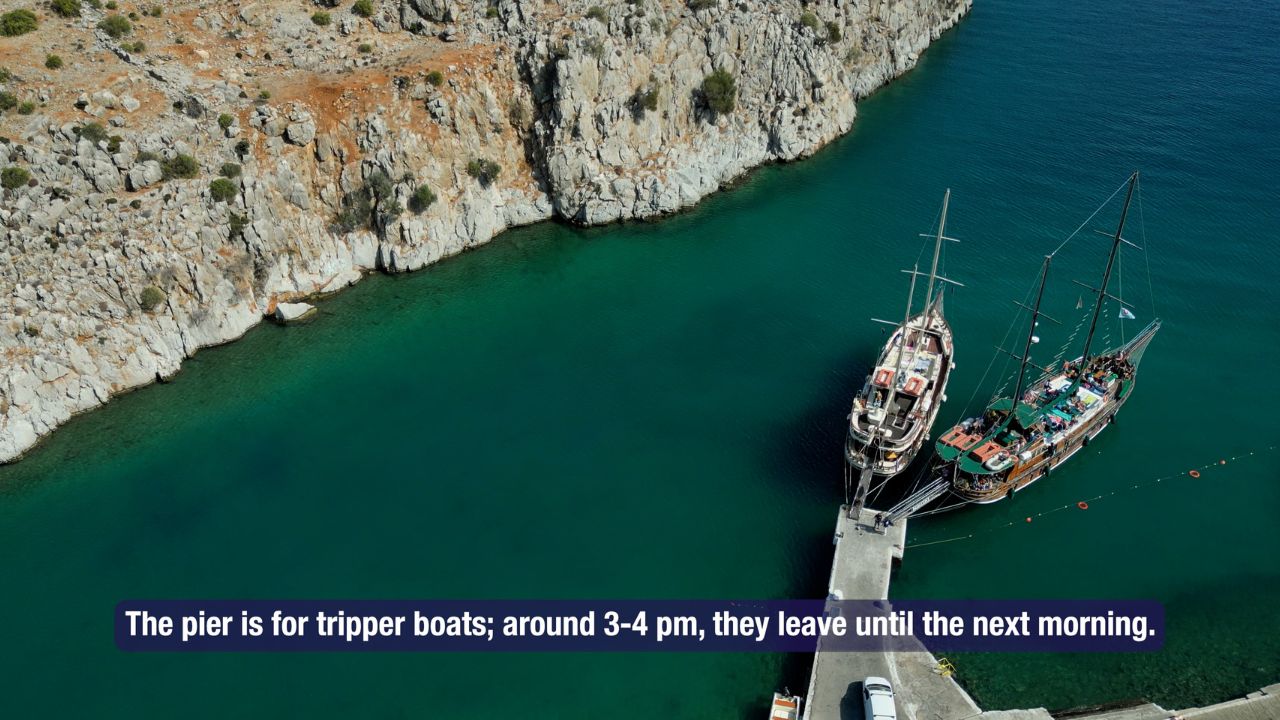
pixel 1222 462
pixel 1028 519
pixel 1194 473
pixel 1082 505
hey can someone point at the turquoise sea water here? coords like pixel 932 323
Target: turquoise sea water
pixel 657 411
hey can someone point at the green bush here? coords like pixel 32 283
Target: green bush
pixel 421 199
pixel 435 78
pixel 146 156
pixel 8 101
pixel 53 62
pixel 181 166
pixel 95 4
pixel 363 8
pixel 243 147
pixel 647 99
pixel 137 47
pixel 93 132
pixel 222 190
pixel 151 298
pixel 236 223
pixel 26 108
pixel 484 170
pixel 115 26
pixel 229 170
pixel 833 31
pixel 14 177
pixel 595 12
pixel 17 22
pixel 225 120
pixel 365 48
pixel 65 8
pixel 810 21
pixel 491 12
pixel 321 18
pixel 720 91
pixel 111 5
pixel 696 5
pixel 5 75
pixel 155 11
pixel 264 94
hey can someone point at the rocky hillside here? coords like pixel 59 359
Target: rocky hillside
pixel 178 170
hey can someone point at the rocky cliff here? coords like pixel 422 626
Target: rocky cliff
pixel 169 184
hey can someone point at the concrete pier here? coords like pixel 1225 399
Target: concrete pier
pixel 860 570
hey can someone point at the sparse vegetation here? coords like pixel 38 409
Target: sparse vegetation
pixel 65 8
pixel 364 48
pixel 647 99
pixel 236 223
pixel 17 22
pixel 421 199
pixel 225 120
pixel 321 18
pixel 229 170
pixel 151 299
pixel 491 12
pixel 14 177
pixel 363 8
pixel 26 108
pixel 720 91
pixel 696 5
pixel 93 132
pixel 372 206
pixel 146 156
pixel 222 190
pixel 435 78
pixel 53 62
pixel 484 170
pixel 242 147
pixel 5 75
pixel 155 11
pixel 264 94
pixel 136 47
pixel 595 12
pixel 8 101
pixel 111 5
pixel 115 26
pixel 595 47
pixel 180 166
pixel 833 32
pixel 809 20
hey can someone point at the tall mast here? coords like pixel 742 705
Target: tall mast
pixel 937 250
pixel 1031 334
pixel 1106 275
pixel 902 347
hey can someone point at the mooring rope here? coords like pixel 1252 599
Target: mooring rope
pixel 1194 472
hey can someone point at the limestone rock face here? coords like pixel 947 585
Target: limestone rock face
pixel 292 312
pixel 119 262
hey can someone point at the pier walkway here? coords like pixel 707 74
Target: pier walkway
pixel 860 571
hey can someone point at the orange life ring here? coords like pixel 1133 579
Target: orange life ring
pixel 1082 505
pixel 1194 473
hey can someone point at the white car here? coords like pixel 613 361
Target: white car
pixel 877 699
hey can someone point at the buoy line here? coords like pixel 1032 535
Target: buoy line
pixel 1194 473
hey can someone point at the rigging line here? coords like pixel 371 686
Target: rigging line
pixel 1090 218
pixel 1146 254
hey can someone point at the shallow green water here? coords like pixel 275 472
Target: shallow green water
pixel 657 411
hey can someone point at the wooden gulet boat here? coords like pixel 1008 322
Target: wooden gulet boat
pixel 897 405
pixel 1020 439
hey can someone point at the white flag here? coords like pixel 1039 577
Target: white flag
pixel 1125 314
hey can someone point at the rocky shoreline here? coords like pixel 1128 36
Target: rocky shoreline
pixel 177 183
